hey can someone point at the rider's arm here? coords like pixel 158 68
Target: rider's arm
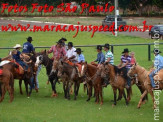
pixel 120 64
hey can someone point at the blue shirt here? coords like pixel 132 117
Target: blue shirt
pixel 27 47
pixel 100 58
pixel 17 56
pixel 81 58
pixel 158 63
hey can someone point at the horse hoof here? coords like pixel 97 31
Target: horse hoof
pixel 113 105
pixel 101 103
pixel 111 100
pixel 28 97
pixel 138 107
pixel 97 102
pixel 88 100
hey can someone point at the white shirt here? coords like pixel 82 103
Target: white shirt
pixel 71 52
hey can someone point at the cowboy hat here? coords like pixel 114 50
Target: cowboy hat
pixel 17 46
pixel 29 39
pixel 157 51
pixel 78 50
pixel 64 39
pixel 126 50
pixel 107 46
pixel 99 47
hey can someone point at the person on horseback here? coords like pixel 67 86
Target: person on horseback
pixel 28 47
pixel 158 65
pixel 17 57
pixel 71 54
pixel 81 60
pixel 63 43
pixel 109 58
pixel 126 62
pixel 100 56
pixel 58 50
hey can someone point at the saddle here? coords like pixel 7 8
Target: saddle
pixel 78 66
pixel 20 69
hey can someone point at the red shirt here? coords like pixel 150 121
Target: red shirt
pixel 57 52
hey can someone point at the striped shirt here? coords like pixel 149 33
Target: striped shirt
pixel 109 54
pixel 125 60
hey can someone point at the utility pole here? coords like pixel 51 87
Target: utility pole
pixel 116 15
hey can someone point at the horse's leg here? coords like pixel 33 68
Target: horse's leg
pixel 89 92
pixel 20 86
pixel 51 81
pixel 0 90
pixel 68 90
pixel 75 90
pixel 100 90
pixel 3 92
pixel 124 95
pixel 12 87
pixel 78 86
pixel 151 93
pixel 142 91
pixel 120 95
pixel 26 87
pixel 129 93
pixel 141 98
pixel 64 88
pixel 98 99
pixel 115 96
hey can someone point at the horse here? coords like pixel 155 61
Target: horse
pixel 6 83
pixel 71 75
pixel 143 77
pixel 43 59
pixel 117 82
pixel 93 80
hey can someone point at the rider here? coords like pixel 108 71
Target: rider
pixel 63 43
pixel 81 59
pixel 71 54
pixel 100 56
pixel 158 65
pixel 28 47
pixel 126 62
pixel 17 56
pixel 109 58
pixel 58 50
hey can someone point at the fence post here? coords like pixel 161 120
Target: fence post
pixel 112 49
pixel 149 52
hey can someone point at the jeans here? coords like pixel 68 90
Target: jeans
pixel 128 78
pixel 23 64
pixel 32 79
pixel 152 74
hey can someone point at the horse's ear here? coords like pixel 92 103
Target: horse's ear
pixel 61 62
pixel 106 63
pixel 45 51
pixel 135 64
pixel 86 62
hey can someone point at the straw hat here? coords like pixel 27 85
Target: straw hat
pixel 17 46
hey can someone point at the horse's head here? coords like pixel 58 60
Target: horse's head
pixel 105 70
pixel 132 72
pixel 84 69
pixel 60 68
pixel 40 58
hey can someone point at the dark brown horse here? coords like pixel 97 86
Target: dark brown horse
pixel 6 83
pixel 72 77
pixel 42 58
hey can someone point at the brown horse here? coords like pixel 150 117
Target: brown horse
pixel 6 83
pixel 110 72
pixel 93 80
pixel 143 77
pixel 72 77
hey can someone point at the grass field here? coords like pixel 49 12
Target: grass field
pixel 91 20
pixel 41 107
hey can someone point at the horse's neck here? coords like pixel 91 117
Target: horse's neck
pixel 48 64
pixel 91 69
pixel 142 73
pixel 112 72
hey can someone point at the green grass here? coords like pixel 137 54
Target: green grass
pixel 41 107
